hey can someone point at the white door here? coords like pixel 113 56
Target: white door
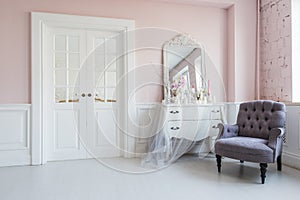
pixel 104 70
pixel 81 112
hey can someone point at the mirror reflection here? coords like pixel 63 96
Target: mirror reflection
pixel 185 71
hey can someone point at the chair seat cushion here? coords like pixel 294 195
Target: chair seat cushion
pixel 245 148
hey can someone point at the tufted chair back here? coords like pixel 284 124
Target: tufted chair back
pixel 257 118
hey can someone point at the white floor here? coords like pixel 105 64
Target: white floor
pixel 187 179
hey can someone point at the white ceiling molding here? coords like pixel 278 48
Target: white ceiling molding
pixel 209 3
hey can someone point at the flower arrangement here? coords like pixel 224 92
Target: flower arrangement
pixel 204 93
pixel 179 91
pixel 177 85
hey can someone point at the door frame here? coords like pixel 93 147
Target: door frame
pixel 38 21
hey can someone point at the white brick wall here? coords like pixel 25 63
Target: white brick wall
pixel 275 50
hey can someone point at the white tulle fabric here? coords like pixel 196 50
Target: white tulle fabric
pixel 163 150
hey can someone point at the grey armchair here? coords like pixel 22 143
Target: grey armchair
pixel 257 136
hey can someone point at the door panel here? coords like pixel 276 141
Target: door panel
pixel 64 119
pixel 103 141
pixel 65 130
pixel 66 141
pixel 81 114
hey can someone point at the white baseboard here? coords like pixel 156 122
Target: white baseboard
pixel 15 140
pixel 291 159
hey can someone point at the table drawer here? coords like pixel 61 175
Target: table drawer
pixel 216 113
pixel 196 113
pixel 201 113
pixel 174 113
pixel 191 130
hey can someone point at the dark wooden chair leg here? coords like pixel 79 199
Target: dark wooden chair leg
pixel 279 163
pixel 219 162
pixel 241 161
pixel 263 170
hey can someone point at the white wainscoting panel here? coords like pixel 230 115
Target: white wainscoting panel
pixel 146 115
pixel 231 112
pixel 291 148
pixel 15 134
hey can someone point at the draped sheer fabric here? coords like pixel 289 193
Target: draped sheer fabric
pixel 163 150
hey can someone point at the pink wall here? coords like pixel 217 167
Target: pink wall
pixel 231 55
pixel 194 20
pixel 208 25
pixel 245 50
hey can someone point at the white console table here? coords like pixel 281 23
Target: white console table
pixel 194 122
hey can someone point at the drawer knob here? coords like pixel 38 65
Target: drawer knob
pixel 174 111
pixel 215 111
pixel 214 126
pixel 175 128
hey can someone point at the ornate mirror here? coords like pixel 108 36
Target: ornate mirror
pixel 184 65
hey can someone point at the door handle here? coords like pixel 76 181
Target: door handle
pixel 175 128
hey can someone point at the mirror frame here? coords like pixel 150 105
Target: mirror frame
pixel 180 40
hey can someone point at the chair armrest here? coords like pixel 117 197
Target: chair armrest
pixel 275 134
pixel 227 131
